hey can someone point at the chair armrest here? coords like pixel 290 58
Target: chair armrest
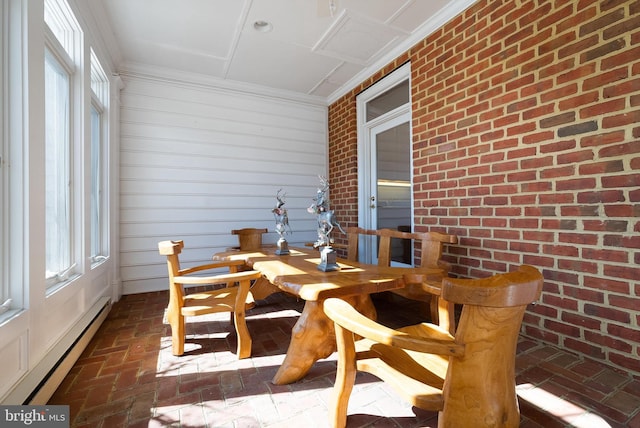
pixel 214 265
pixel 218 279
pixel 434 341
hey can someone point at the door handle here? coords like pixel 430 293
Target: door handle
pixel 372 199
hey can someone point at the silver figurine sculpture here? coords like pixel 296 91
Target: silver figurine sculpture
pixel 282 224
pixel 327 221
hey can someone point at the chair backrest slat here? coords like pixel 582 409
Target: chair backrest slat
pixel 430 244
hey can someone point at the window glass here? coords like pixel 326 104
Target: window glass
pixel 58 209
pixel 96 183
pixel 99 101
pixel 387 101
pixel 62 122
pixel 4 280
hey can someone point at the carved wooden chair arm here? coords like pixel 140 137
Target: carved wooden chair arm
pixel 218 279
pixel 233 266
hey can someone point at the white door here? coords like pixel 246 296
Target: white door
pixel 384 162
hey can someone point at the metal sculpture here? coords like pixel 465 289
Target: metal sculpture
pixel 282 223
pixel 327 221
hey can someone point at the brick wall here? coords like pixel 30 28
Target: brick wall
pixel 526 144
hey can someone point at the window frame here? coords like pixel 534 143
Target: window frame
pixel 5 292
pixel 63 162
pixel 62 55
pixel 99 89
pixel 15 190
pixel 97 200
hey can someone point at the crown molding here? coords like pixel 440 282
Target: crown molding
pixel 181 78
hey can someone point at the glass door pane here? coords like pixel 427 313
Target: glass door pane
pixel 393 186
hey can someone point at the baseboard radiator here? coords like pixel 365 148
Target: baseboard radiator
pixel 41 382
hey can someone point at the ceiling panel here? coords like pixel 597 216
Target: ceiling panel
pixel 357 39
pixel 310 49
pixel 280 65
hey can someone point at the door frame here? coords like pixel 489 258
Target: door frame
pixel 364 133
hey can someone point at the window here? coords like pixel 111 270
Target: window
pixel 4 281
pixel 388 101
pixel 58 207
pixel 61 30
pixel 13 176
pixel 96 183
pixel 99 101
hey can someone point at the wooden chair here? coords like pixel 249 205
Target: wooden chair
pixel 430 256
pixel 231 299
pixel 249 238
pixel 468 377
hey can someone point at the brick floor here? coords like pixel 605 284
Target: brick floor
pixel 127 377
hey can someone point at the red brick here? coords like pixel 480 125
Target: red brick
pixel 625 148
pixel 560 250
pixel 602 108
pixel 560 302
pixel 579 210
pixel 601 22
pixel 578 101
pixel 627 241
pixel 629 362
pixel 591 350
pixel 607 284
pixel 562 328
pixel 577 74
pixel 583 294
pixel 576 184
pixel 622 272
pixel 581 320
pixel 538 261
pixel 602 139
pixel 601 167
pixel 578 266
pixel 608 313
pixel 558 146
pixel 604 79
pixel 606 225
pixel 621 210
pixel 623 332
pixel 608 341
pixel 622 119
pixel 605 196
pixel 578 238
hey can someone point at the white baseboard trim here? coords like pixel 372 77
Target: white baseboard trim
pixel 41 382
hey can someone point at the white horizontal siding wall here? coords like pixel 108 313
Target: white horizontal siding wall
pixel 198 161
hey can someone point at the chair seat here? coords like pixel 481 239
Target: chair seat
pixel 209 302
pixel 415 392
pixel 417 376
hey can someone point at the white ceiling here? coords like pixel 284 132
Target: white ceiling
pixel 310 51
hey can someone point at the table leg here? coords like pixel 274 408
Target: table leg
pixel 261 289
pixel 313 338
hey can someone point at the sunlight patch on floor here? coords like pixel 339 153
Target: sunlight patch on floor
pixel 560 408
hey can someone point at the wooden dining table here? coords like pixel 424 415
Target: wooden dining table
pixel 313 335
